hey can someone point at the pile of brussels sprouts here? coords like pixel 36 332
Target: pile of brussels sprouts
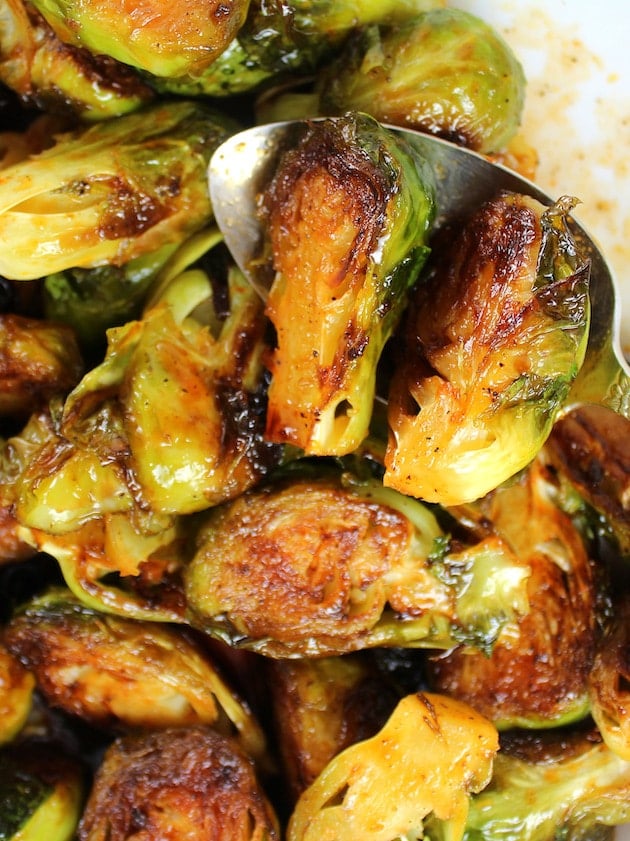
pixel 334 564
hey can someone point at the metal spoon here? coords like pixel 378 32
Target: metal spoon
pixel 464 179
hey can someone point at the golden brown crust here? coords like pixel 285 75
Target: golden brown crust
pixel 177 784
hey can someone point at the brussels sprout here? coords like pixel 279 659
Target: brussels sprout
pixel 567 786
pixel 178 783
pixel 38 361
pixel 281 39
pixel 164 39
pixel 427 759
pixel 589 449
pixel 110 193
pixel 41 792
pixel 16 695
pixel 609 681
pixel 52 75
pixel 320 707
pixel 347 215
pixel 113 671
pixel 445 72
pixel 329 564
pixel 93 300
pixel 538 670
pixel 494 339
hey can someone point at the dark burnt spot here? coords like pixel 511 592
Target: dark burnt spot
pixel 130 212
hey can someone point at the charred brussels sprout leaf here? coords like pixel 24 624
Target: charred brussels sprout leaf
pixel 537 673
pixel 111 670
pixel 108 194
pixel 494 339
pixel 56 76
pixel 348 213
pixel 444 72
pixel 315 566
pixel 179 783
pixel 166 39
pixel 427 759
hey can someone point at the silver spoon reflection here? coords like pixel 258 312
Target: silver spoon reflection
pixel 464 179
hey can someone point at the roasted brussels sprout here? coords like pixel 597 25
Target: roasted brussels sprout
pixel 16 695
pixel 41 792
pixel 52 75
pixel 93 300
pixel 110 193
pixel 566 786
pixel 589 449
pixel 348 213
pixel 538 670
pixel 427 759
pixel 326 565
pixel 283 38
pixel 495 337
pixel 178 783
pixel 445 72
pixel 166 39
pixel 321 706
pixel 609 681
pixel 112 671
pixel 38 361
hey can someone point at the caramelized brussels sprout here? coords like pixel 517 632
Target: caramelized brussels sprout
pixel 322 706
pixel 55 76
pixel 283 38
pixel 177 783
pixel 330 564
pixel 445 72
pixel 427 759
pixel 348 213
pixel 109 193
pixel 538 670
pixel 609 681
pixel 166 39
pixel 568 786
pixel 589 449
pixel 38 361
pixel 41 792
pixel 16 695
pixel 495 337
pixel 113 671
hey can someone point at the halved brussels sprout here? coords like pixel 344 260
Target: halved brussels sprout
pixel 316 565
pixel 110 193
pixel 495 337
pixel 445 72
pixel 283 38
pixel 179 783
pixel 166 39
pixel 568 785
pixel 321 706
pixel 117 672
pixel 537 673
pixel 41 792
pixel 347 212
pixel 609 681
pixel 55 76
pixel 427 759
pixel 39 360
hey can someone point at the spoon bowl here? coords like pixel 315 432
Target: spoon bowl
pixel 464 179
